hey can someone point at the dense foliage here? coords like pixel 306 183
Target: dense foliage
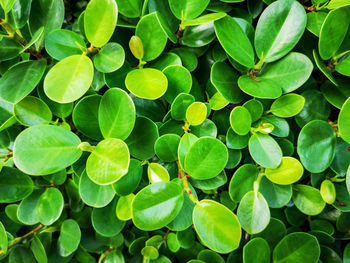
pixel 175 131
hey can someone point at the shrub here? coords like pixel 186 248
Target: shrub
pixel 175 131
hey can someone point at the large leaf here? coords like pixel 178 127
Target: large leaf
pixel 235 42
pixel 108 162
pixel 265 150
pixel 157 205
pixel 206 158
pixel 283 76
pixel 50 206
pixel 130 8
pixel 21 79
pixel 116 114
pixel 308 199
pixel 100 20
pixel 316 146
pixel 253 212
pixel 187 9
pixel 69 79
pixel 333 31
pixel 297 247
pixel 279 29
pixel 14 185
pixel 344 121
pixel 217 227
pixel 45 149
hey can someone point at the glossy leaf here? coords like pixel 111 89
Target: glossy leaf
pixel 69 238
pixel 108 162
pixel 100 20
pixel 240 120
pixel 289 172
pixel 50 206
pixel 69 79
pixel 45 149
pixel 206 158
pixel 343 121
pixel 224 234
pixel 316 146
pixel 187 9
pixel 308 199
pixel 164 199
pixel 147 83
pixel 116 114
pixel 279 28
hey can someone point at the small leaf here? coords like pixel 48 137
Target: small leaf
pixel 157 173
pixel 240 120
pixel 146 83
pixel 288 105
pixel 50 206
pixel 69 238
pixel 289 172
pixel 196 113
pixel 308 199
pixel 344 121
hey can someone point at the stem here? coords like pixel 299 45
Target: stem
pixel 86 147
pixel 259 64
pixel 20 239
pixel 257 182
pixel 183 177
pixel 335 58
pixel 335 127
pixel 105 254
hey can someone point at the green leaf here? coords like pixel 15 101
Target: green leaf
pixel 3 239
pixel 36 152
pixel 224 233
pixel 157 173
pixel 276 195
pixel 240 120
pixel 316 146
pixel 253 212
pixel 7 5
pixel 224 78
pixel 179 81
pixel 187 9
pixel 323 68
pixel 142 139
pixel 166 147
pixel 334 4
pixel 279 29
pixel 100 20
pixel 242 181
pixel 152 46
pixel 38 250
pixel 289 172
pixel 26 212
pixel 147 83
pixel 333 32
pixel 328 192
pixel 234 41
pixel 283 76
pixel 130 8
pixel 93 194
pixel 108 162
pixel 116 114
pixel 265 150
pixel 21 79
pixel 110 58
pixel 203 19
pixel 196 113
pixel 32 111
pixel 257 250
pixel 85 116
pixel 206 158
pixel 344 121
pixel 50 206
pixel 308 199
pixel 288 105
pixel 69 238
pixel 105 221
pixel 164 199
pixel 315 21
pixel 63 43
pixel 123 209
pixel 48 14
pixel 69 79
pixel 343 67
pixel 297 247
pixel 180 105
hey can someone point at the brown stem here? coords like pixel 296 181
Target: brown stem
pixel 182 175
